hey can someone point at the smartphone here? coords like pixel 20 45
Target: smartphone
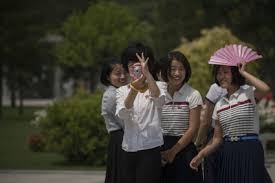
pixel 135 71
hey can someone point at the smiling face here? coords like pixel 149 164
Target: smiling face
pixel 224 76
pixel 117 77
pixel 177 74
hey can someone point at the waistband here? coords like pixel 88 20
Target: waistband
pixel 241 138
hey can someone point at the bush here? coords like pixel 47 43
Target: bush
pixel 74 127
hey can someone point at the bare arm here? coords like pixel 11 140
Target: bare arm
pixel 209 148
pixel 205 122
pixel 188 136
pixel 129 101
pixel 261 87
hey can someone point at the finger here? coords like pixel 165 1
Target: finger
pixel 142 56
pixel 139 58
pixel 147 59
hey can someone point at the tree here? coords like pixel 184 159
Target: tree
pixel 200 50
pixel 102 31
pixel 23 23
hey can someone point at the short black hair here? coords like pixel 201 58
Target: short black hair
pixel 237 78
pixel 107 68
pixel 167 61
pixel 129 55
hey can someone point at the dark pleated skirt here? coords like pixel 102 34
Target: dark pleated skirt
pixel 179 171
pixel 242 162
pixel 114 157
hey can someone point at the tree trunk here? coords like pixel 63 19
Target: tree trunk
pixel 13 94
pixel 21 106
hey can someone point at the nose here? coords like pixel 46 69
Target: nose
pixel 122 77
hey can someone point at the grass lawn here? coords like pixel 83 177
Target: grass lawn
pixel 14 151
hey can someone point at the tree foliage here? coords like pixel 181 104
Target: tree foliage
pixel 200 50
pixel 102 31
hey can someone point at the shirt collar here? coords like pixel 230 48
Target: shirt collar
pixel 181 90
pixel 234 95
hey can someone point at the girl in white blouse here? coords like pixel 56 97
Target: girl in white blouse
pixel 112 76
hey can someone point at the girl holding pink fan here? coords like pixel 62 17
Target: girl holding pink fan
pixel 241 156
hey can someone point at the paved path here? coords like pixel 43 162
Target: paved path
pixel 43 176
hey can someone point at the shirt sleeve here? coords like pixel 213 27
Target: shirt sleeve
pixel 108 108
pixel 195 100
pixel 121 111
pixel 250 93
pixel 214 93
pixel 160 101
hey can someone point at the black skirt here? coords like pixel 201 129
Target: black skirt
pixel 114 158
pixel 179 171
pixel 242 162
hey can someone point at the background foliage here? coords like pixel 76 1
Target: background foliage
pixel 74 128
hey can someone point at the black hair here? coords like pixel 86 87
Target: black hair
pixel 237 78
pixel 107 68
pixel 166 68
pixel 129 55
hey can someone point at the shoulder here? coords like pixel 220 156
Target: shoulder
pixel 192 91
pixel 110 91
pixel 214 88
pixel 161 84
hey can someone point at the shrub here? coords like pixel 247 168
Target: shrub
pixel 74 127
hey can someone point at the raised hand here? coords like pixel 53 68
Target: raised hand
pixel 143 62
pixel 241 67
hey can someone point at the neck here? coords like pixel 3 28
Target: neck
pixel 172 89
pixel 232 89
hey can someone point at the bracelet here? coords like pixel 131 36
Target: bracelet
pixel 132 87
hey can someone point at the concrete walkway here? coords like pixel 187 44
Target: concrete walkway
pixel 45 176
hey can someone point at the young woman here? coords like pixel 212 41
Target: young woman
pixel 112 76
pixel 241 157
pixel 179 121
pixel 139 105
pixel 206 131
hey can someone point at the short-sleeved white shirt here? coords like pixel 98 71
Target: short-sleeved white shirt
pixel 238 114
pixel 142 129
pixel 215 93
pixel 176 111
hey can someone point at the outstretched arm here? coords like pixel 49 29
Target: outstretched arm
pixel 209 148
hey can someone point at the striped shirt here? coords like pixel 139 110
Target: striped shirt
pixel 237 114
pixel 175 112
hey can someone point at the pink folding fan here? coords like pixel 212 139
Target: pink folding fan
pixel 233 54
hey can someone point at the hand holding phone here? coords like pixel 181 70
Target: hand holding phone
pixel 135 71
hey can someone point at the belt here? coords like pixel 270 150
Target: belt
pixel 240 138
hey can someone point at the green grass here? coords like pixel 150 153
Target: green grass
pixel 14 151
